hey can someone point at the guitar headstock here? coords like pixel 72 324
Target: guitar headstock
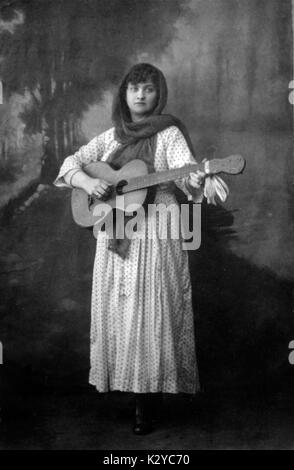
pixel 233 165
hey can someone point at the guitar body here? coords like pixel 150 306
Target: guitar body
pixel 86 212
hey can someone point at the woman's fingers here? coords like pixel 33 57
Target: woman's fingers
pixel 103 184
pixel 99 192
pixel 101 188
pixel 196 179
pixel 200 173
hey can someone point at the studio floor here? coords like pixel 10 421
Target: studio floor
pixel 86 420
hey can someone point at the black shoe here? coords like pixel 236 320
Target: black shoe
pixel 142 428
pixel 142 424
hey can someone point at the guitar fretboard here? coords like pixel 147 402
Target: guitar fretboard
pixel 152 179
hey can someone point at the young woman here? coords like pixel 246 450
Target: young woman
pixel 142 333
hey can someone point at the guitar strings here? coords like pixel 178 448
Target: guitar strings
pixel 139 182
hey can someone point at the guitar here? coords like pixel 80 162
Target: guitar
pixel 130 184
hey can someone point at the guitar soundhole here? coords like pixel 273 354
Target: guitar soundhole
pixel 119 187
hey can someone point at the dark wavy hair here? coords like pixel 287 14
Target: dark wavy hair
pixel 142 73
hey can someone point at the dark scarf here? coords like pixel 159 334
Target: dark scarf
pixel 138 141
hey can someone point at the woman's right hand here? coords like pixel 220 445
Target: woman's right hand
pixel 97 187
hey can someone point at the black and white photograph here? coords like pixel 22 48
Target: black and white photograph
pixel 147 227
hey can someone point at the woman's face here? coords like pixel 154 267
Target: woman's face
pixel 141 99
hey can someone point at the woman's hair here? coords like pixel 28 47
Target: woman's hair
pixel 142 73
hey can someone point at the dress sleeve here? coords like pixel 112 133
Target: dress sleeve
pixel 91 152
pixel 178 155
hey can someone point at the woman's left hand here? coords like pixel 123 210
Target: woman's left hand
pixel 195 180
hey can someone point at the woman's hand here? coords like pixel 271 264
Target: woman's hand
pixel 93 186
pixel 97 187
pixel 195 180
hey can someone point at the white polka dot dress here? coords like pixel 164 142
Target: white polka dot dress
pixel 142 327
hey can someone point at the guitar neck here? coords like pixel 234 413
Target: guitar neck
pixel 160 177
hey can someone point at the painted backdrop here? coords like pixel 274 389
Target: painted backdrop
pixel 228 64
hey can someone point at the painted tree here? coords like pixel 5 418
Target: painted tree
pixel 65 53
